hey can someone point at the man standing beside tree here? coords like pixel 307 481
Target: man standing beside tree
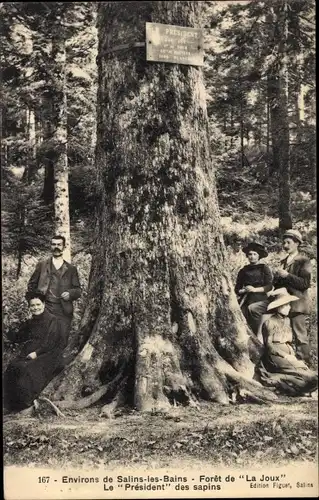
pixel 59 282
pixel 295 276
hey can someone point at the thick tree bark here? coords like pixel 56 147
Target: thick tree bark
pixel 162 322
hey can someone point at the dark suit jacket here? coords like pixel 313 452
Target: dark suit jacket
pixel 297 282
pixel 40 281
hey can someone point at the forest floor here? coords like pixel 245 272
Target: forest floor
pixel 240 435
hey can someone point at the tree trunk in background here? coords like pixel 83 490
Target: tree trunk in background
pixel 54 123
pixel 268 128
pixel 301 104
pixel 231 125
pixel 28 177
pixel 48 187
pixel 272 90
pixel 278 94
pixel 241 132
pixel 312 159
pixel 285 220
pixel 297 136
pixel 48 132
pixel 32 163
pixel 162 322
pixel 61 172
pixel 311 119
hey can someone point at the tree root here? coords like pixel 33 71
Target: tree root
pixel 109 410
pixel 243 395
pixel 246 386
pixel 214 383
pixel 191 400
pixel 27 412
pixel 55 408
pixel 80 404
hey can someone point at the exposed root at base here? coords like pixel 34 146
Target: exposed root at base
pixel 53 406
pixel 109 410
pixel 244 389
pixel 189 397
pixel 26 412
pixel 248 387
pixel 87 401
pixel 243 395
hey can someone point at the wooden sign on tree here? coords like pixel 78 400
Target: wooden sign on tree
pixel 174 44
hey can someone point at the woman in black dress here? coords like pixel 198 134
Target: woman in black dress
pixel 38 360
pixel 253 283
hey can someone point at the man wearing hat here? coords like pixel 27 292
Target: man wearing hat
pixel 252 284
pixel 279 366
pixel 295 276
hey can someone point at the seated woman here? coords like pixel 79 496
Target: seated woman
pixel 40 356
pixel 253 283
pixel 279 366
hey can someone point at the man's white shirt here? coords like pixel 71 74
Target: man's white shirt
pixel 57 263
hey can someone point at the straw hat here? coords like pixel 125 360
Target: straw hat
pixel 293 234
pixel 256 247
pixel 282 297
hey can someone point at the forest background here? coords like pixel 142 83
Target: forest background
pixel 262 139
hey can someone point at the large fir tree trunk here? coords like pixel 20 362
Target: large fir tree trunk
pixel 162 322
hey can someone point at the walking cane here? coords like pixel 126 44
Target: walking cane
pixel 241 303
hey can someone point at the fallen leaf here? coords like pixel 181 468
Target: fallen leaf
pixel 268 438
